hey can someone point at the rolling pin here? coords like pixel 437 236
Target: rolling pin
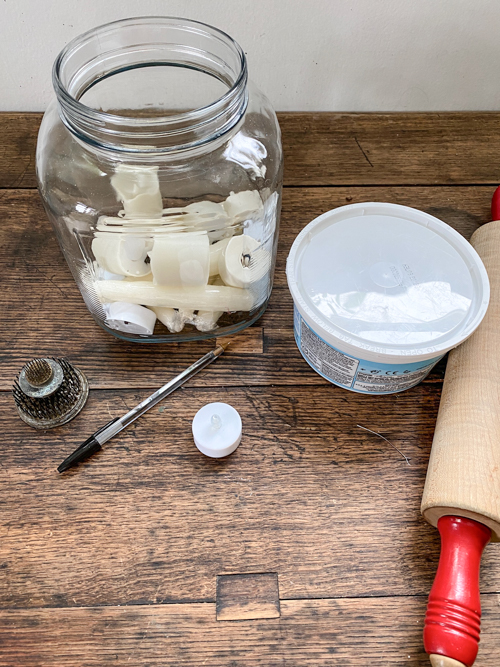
pixel 462 488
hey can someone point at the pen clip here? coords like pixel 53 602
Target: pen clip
pixel 85 450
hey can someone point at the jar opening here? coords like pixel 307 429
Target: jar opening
pixel 153 91
pixel 152 84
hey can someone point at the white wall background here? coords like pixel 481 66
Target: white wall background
pixel 306 55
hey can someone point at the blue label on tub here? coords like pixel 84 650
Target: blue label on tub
pixel 365 377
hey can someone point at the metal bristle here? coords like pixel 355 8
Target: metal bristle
pixel 58 407
pixel 38 372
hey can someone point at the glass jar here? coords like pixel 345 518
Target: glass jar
pixel 160 167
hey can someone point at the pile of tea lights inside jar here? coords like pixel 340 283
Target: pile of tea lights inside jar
pixel 180 265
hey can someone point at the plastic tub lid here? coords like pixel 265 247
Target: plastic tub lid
pixel 388 279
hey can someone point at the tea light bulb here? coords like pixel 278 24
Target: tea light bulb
pixel 217 430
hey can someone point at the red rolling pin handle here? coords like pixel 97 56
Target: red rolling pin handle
pixel 453 618
pixel 495 205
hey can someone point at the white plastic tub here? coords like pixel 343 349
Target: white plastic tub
pixel 381 293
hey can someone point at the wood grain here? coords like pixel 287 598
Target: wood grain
pixel 310 633
pixel 18 134
pixel 249 341
pixel 44 314
pixel 332 509
pixel 249 596
pixel 335 148
pixel 463 477
pixel 390 148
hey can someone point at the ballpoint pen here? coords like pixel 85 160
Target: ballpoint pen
pixel 94 443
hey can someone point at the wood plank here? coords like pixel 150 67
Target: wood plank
pixel 244 597
pixel 309 633
pixel 18 134
pixel 390 148
pixel 44 314
pixel 335 148
pixel 249 341
pixel 331 508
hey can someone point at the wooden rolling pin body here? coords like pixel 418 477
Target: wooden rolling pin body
pixel 463 477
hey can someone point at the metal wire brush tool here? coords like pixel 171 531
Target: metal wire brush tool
pixel 49 392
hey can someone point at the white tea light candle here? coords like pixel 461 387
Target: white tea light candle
pixel 243 261
pixel 181 260
pixel 130 318
pixel 122 255
pixel 217 430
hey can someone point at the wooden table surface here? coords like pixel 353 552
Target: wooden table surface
pixel 305 547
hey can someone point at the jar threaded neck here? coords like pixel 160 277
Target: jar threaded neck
pixel 93 59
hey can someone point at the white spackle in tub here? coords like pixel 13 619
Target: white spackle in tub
pixel 217 430
pixel 381 292
pixel 382 279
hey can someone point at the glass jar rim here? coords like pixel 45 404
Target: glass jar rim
pixel 164 124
